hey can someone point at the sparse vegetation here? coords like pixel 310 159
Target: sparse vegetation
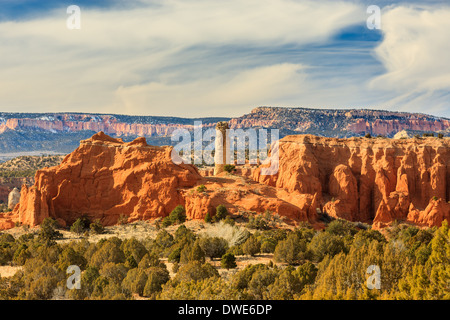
pixel 229 168
pixel 201 188
pixel 307 264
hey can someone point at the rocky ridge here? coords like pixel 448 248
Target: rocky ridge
pixel 61 132
pixel 373 180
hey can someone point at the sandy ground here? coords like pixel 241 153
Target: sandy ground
pixel 8 271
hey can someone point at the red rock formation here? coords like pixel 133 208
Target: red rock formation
pixel 370 180
pixel 105 178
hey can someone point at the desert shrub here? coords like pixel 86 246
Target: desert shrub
pixel 214 247
pixel 306 274
pixel 236 250
pixel 228 261
pixel 260 281
pixel 151 259
pixel 241 279
pixel 114 272
pixel 268 245
pixel 184 234
pixel 195 271
pixel 229 168
pixel 230 221
pixel 175 255
pixel 177 215
pixel 108 252
pixel 164 239
pixel 258 222
pixel 232 234
pixel 208 218
pixel 341 227
pixel 324 243
pixel 21 255
pixel 365 237
pixel 135 281
pixel 96 227
pixel 440 135
pixel 80 225
pixel 368 136
pixel 291 250
pixel 70 257
pixel 251 246
pixel 48 230
pixel 133 248
pixel 155 279
pixel 221 213
pixel 192 253
pixel 166 222
pixel 201 188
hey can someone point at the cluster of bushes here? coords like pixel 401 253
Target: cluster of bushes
pixel 311 264
pixel 178 215
pixel 221 215
pixel 83 225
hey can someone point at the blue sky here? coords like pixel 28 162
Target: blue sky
pixel 222 58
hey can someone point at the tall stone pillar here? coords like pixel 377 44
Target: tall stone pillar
pixel 221 147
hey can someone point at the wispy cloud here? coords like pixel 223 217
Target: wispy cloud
pixel 221 58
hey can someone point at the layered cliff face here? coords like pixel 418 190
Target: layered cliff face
pixel 106 178
pixel 40 129
pixel 339 123
pixel 110 124
pixel 370 180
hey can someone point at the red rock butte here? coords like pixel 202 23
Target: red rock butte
pixel 375 181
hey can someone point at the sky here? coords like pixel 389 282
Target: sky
pixel 205 58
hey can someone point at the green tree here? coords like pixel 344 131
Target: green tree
pixel 48 230
pixel 208 218
pixel 228 261
pixel 96 227
pixel 80 225
pixel 195 271
pixel 221 213
pixel 157 277
pixel 251 246
pixel 108 252
pixel 214 247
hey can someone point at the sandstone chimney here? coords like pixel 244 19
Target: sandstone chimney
pixel 221 147
pixel 13 198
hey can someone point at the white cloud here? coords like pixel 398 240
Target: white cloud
pixel 415 52
pixel 160 59
pixel 225 94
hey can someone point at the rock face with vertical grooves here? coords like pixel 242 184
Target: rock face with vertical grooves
pixel 105 178
pixel 371 180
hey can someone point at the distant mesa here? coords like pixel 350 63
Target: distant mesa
pixel 61 132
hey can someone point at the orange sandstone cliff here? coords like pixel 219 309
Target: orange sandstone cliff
pixel 105 178
pixel 371 180
pixel 374 180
